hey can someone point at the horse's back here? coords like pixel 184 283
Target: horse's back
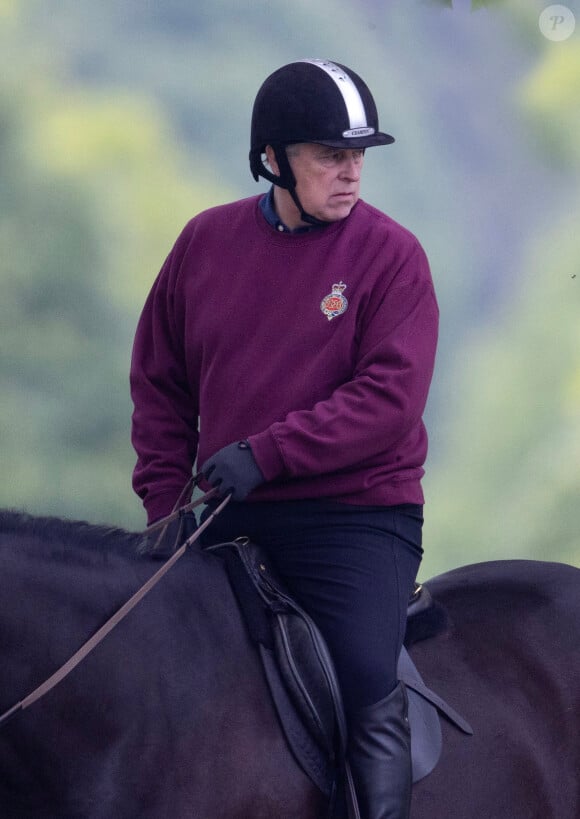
pixel 510 663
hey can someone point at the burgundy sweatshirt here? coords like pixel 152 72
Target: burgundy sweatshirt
pixel 316 347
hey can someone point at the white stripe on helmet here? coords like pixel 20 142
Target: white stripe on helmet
pixel 352 99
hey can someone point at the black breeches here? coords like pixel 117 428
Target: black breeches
pixel 351 568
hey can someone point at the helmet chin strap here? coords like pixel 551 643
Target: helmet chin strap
pixel 306 217
pixel 287 180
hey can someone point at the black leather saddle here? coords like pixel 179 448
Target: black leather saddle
pixel 301 676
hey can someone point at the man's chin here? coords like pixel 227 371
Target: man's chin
pixel 339 209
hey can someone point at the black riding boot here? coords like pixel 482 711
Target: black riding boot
pixel 380 757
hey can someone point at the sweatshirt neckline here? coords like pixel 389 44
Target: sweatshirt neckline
pixel 286 239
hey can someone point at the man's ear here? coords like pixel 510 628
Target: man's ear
pixel 271 160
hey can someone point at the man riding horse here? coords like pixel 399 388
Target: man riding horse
pixel 288 345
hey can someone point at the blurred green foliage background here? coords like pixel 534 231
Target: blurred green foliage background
pixel 121 120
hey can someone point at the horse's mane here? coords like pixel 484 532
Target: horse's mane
pixel 69 533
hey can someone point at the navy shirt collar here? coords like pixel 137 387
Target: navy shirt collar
pixel 268 209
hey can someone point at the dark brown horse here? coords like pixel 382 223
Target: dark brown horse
pixel 170 715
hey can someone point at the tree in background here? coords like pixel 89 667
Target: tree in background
pixel 92 189
pixel 510 484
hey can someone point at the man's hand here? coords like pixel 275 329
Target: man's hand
pixel 234 470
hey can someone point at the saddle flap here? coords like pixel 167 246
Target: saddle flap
pixel 305 679
pixel 307 752
pixel 426 737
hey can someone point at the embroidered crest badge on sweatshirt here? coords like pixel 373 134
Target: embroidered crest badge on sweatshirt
pixel 334 304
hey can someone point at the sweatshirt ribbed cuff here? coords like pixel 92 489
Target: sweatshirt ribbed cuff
pixel 267 455
pixel 159 506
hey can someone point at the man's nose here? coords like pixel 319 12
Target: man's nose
pixel 351 169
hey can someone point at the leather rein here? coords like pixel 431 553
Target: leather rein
pixel 121 613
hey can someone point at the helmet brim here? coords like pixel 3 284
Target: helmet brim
pixel 369 141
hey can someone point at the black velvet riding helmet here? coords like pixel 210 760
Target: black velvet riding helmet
pixel 311 101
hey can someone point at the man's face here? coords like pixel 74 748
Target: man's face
pixel 327 179
pixel 327 182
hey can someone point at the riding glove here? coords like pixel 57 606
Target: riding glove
pixel 234 470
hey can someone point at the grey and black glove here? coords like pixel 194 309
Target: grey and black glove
pixel 233 469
